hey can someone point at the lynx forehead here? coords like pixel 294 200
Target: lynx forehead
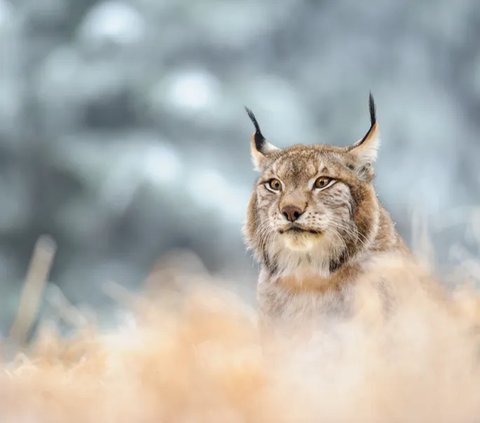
pixel 313 218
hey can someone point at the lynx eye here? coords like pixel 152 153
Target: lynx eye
pixel 323 182
pixel 274 185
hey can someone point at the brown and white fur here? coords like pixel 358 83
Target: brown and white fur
pixel 315 224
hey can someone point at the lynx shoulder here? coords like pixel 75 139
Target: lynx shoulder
pixel 314 221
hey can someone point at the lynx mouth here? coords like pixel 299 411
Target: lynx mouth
pixel 299 230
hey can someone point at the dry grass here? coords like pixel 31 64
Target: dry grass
pixel 194 354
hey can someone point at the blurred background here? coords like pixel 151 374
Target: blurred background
pixel 123 134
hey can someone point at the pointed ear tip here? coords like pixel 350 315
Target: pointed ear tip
pixel 372 109
pixel 254 121
pixel 249 112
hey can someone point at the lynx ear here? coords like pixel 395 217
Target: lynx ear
pixel 366 149
pixel 259 145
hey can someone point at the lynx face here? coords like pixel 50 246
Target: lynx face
pixel 313 207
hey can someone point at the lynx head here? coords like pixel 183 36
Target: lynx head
pixel 313 205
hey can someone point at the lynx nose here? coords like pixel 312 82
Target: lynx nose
pixel 292 213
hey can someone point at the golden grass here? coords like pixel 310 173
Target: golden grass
pixel 193 353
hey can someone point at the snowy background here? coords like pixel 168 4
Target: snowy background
pixel 123 134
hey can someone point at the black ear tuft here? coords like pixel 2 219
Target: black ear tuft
pixel 371 104
pixel 373 120
pixel 258 136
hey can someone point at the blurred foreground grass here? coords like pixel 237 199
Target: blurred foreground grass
pixel 191 351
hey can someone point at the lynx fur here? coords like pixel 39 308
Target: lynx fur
pixel 315 224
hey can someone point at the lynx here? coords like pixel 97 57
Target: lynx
pixel 314 222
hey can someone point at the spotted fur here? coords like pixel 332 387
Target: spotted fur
pixel 340 229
